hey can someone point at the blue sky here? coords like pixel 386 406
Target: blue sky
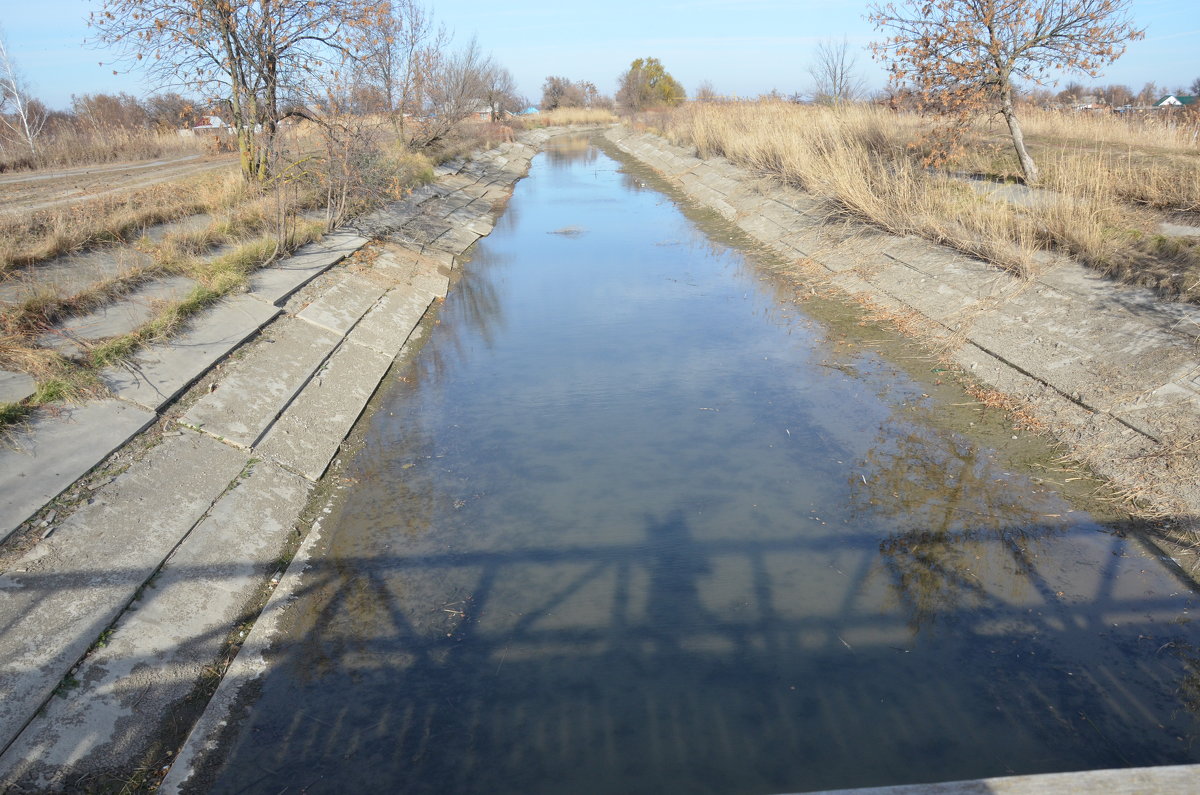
pixel 743 47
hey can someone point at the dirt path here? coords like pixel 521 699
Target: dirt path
pixel 40 190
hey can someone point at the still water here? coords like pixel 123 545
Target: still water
pixel 629 523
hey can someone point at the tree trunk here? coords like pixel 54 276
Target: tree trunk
pixel 1028 167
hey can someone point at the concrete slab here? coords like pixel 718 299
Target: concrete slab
pixel 59 597
pixel 72 274
pixel 343 304
pixel 1179 230
pixel 256 388
pixel 15 387
pixel 309 433
pixel 157 374
pixel 457 240
pixel 72 336
pixel 387 327
pixel 53 451
pixel 151 658
pixel 274 284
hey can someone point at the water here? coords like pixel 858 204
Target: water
pixel 630 524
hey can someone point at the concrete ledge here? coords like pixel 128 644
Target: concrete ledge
pixel 1166 780
pixel 342 305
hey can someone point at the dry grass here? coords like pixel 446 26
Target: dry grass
pixel 1096 203
pixel 27 238
pixel 257 224
pixel 563 117
pixel 72 147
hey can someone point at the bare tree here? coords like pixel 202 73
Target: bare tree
pixel 499 91
pixel 835 73
pixel 962 56
pixel 249 53
pixel 705 92
pixel 559 92
pixel 1149 94
pixel 21 116
pixel 457 89
pixel 405 51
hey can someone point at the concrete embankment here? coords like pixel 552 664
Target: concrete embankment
pixel 1113 372
pixel 131 589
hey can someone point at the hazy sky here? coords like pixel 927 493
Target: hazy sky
pixel 742 47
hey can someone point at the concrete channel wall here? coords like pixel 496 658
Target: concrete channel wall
pixel 1112 371
pixel 129 587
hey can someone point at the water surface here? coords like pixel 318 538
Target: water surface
pixel 630 524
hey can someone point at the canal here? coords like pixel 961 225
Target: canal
pixel 634 521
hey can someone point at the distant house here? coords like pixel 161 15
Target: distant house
pixel 1175 101
pixel 206 123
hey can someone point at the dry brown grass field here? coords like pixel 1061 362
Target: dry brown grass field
pixel 1108 182
pixel 77 147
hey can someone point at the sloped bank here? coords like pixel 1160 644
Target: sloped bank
pixel 119 620
pixel 1113 372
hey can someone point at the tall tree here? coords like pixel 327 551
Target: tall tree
pixel 964 56
pixel 648 84
pixel 248 53
pixel 835 73
pixel 21 116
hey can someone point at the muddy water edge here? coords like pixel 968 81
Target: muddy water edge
pixel 637 519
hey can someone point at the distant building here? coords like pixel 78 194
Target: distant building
pixel 1175 101
pixel 206 123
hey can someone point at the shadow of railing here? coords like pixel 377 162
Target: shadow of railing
pixel 681 664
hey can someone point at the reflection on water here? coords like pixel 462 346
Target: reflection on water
pixel 626 526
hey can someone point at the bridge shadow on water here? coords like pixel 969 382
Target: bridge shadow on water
pixel 681 663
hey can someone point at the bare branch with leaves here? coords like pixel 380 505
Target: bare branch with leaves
pixel 962 57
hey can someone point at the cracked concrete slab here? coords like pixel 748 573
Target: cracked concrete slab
pixel 276 283
pixel 256 388
pixel 157 374
pixel 54 450
pixel 388 326
pixel 59 597
pixel 309 433
pixel 152 656
pixel 343 304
